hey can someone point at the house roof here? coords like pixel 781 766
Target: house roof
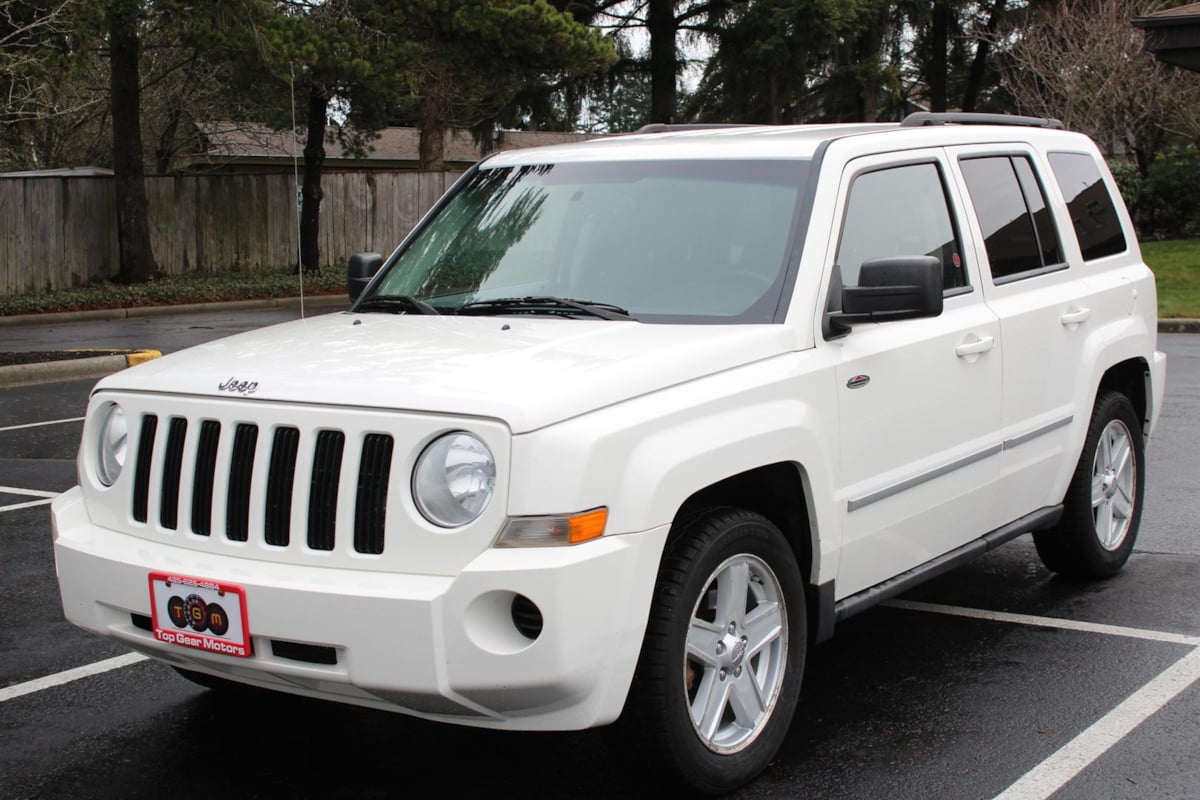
pixel 62 172
pixel 396 148
pixel 1173 35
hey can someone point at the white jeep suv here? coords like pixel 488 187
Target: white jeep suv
pixel 624 427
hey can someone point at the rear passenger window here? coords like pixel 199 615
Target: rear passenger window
pixel 1093 212
pixel 900 211
pixel 1018 231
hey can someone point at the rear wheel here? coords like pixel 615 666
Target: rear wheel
pixel 1103 505
pixel 719 674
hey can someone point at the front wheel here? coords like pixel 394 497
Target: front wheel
pixel 719 675
pixel 1103 505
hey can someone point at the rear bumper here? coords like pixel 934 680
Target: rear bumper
pixel 438 647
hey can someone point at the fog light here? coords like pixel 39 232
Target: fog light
pixel 526 616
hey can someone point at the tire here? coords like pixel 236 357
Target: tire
pixel 1103 505
pixel 727 622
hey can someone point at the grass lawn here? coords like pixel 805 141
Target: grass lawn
pixel 1176 266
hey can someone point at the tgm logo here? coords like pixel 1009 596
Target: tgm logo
pixel 193 612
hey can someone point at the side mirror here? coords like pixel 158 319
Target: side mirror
pixel 899 287
pixel 359 271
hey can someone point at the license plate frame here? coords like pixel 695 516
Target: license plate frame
pixel 203 614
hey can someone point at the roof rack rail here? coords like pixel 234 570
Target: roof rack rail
pixel 921 118
pixel 664 127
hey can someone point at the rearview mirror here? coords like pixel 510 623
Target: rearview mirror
pixel 359 271
pixel 891 288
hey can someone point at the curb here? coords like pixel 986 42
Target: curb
pixel 136 312
pixel 1179 326
pixel 72 369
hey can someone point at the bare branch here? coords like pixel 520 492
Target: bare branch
pixel 1083 62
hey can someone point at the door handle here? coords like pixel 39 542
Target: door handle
pixel 974 347
pixel 1075 316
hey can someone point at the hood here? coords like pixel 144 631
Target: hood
pixel 528 372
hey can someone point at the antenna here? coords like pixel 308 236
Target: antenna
pixel 299 190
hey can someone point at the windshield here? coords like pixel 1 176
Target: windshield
pixel 668 241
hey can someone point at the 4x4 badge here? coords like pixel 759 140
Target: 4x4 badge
pixel 857 381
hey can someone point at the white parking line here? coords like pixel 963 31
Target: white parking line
pixel 59 678
pixel 28 493
pixel 30 504
pixel 1076 755
pixel 1072 758
pixel 40 424
pixel 1046 622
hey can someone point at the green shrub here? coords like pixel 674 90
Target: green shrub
pixel 175 290
pixel 1131 183
pixel 1164 203
pixel 1172 192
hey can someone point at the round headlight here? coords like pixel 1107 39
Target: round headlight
pixel 114 438
pixel 454 480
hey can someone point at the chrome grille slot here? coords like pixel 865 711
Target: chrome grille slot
pixel 203 473
pixel 281 476
pixel 168 510
pixel 141 474
pixel 241 470
pixel 323 489
pixel 370 505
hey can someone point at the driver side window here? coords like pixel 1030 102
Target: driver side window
pixel 900 211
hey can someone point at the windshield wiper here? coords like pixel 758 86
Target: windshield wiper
pixel 395 304
pixel 546 305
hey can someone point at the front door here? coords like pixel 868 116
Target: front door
pixel 919 400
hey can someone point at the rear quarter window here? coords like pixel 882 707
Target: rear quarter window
pixel 1093 212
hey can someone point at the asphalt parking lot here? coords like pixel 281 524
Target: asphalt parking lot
pixel 997 680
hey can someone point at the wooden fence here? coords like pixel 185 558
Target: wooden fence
pixel 57 232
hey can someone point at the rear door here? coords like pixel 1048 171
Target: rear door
pixel 1047 312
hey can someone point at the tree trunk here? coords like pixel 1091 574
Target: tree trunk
pixel 939 38
pixel 660 23
pixel 431 142
pixel 133 227
pixel 310 192
pixel 433 120
pixel 979 63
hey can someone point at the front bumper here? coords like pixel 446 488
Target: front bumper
pixel 443 648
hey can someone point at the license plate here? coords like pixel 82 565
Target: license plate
pixel 199 613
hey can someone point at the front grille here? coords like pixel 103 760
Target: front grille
pixel 234 467
pixel 370 507
pixel 323 490
pixel 141 475
pixel 280 479
pixel 241 469
pixel 168 512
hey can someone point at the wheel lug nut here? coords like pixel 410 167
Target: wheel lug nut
pixel 720 648
pixel 721 674
pixel 737 672
pixel 732 627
